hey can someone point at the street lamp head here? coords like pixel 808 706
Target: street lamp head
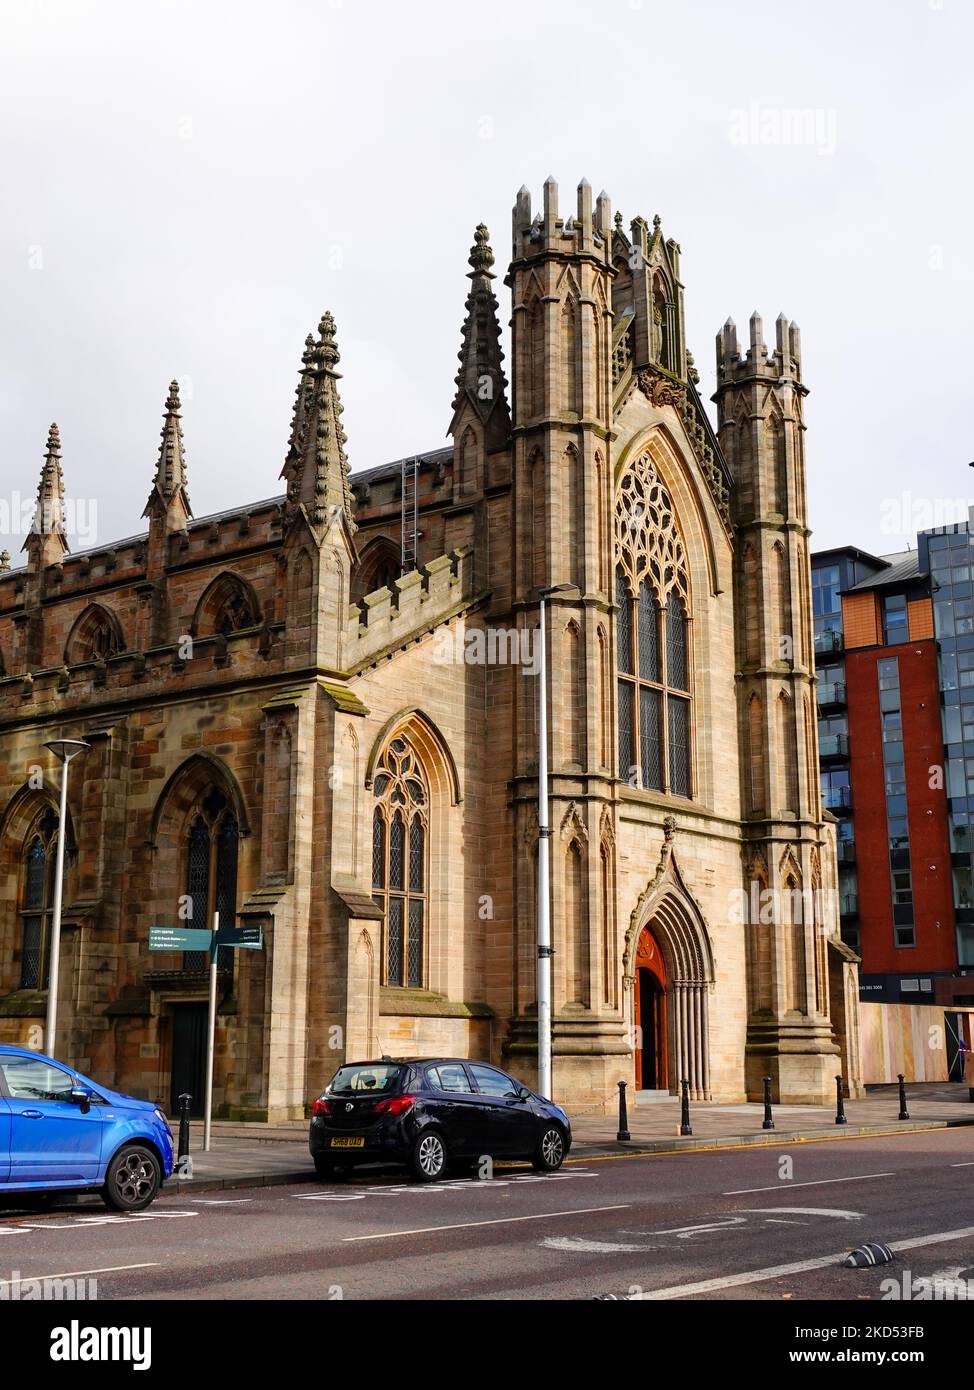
pixel 558 589
pixel 64 749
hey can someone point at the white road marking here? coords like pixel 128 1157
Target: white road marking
pixel 579 1245
pixel 721 1223
pixel 499 1221
pixel 819 1182
pixel 83 1223
pixel 756 1276
pixel 222 1201
pixel 77 1273
pixel 431 1189
pixel 808 1211
pixel 962 1165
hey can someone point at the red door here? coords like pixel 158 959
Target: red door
pixel 650 1016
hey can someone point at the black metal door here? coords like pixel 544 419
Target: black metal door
pixel 188 1056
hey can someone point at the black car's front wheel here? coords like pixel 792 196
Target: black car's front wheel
pixel 550 1153
pixel 133 1179
pixel 427 1158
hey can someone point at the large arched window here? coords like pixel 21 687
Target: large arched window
pixel 96 636
pixel 211 874
pixel 37 901
pixel 400 875
pixel 229 605
pixel 652 636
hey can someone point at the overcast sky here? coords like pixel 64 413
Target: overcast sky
pixel 187 186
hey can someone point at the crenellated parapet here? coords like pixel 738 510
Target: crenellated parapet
pixel 415 604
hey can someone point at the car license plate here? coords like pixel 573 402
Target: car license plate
pixel 348 1143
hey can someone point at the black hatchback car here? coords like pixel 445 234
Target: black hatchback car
pixel 432 1113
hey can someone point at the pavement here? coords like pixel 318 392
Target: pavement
pixel 266 1155
pixel 767 1223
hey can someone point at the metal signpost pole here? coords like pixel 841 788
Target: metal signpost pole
pixel 210 1037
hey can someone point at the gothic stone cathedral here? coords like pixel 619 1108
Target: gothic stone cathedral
pixel 315 713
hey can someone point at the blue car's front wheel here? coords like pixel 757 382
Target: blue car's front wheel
pixel 133 1179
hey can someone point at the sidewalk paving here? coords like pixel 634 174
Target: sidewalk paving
pixel 262 1155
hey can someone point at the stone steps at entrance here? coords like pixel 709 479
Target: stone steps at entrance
pixel 652 1097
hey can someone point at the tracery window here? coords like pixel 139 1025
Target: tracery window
pixel 400 875
pixel 37 902
pixel 211 875
pixel 652 636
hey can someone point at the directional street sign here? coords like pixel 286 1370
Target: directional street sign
pixel 250 937
pixel 179 939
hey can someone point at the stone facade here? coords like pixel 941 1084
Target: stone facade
pixel 319 714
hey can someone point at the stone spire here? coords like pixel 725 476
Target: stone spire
pixel 169 496
pixel 316 467
pixel 47 538
pixel 481 379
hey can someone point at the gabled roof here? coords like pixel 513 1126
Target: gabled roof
pixel 898 570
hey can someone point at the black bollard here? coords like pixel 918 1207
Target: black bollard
pixel 840 1118
pixel 768 1117
pixel 685 1107
pixel 182 1148
pixel 623 1117
pixel 904 1113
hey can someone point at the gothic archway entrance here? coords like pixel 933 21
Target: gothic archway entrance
pixel 652 1072
pixel 668 919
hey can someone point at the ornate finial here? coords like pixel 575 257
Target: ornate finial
pixel 481 256
pixel 656 222
pixel 316 467
pixel 480 380
pixel 49 512
pixel 618 221
pixel 169 497
pixel 669 828
pixel 4 561
pixel 327 349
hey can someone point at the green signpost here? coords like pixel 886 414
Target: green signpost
pixel 179 939
pixel 249 938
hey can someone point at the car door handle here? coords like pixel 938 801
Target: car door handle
pixel 32 1114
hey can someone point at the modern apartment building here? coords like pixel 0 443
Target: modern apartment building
pixel 894 640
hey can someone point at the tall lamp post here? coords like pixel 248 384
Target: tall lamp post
pixel 64 749
pixel 544 835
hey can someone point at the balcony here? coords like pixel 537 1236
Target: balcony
pixel 837 798
pixel 833 746
pixel 846 852
pixel 830 694
pixel 827 642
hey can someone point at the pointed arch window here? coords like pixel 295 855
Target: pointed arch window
pixel 211 875
pixel 36 901
pixel 652 637
pixel 400 873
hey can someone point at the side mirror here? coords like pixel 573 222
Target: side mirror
pixel 81 1098
pixel 524 1093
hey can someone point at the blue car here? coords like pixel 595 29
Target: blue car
pixel 61 1132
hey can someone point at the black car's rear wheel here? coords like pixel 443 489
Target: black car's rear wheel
pixel 427 1158
pixel 133 1179
pixel 550 1153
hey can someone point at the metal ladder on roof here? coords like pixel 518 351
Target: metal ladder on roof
pixel 409 493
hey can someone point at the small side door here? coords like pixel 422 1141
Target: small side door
pixel 509 1125
pixel 51 1138
pixel 455 1107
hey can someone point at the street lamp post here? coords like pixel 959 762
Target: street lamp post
pixel 545 951
pixel 64 749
